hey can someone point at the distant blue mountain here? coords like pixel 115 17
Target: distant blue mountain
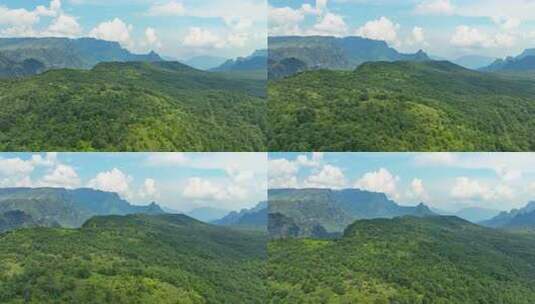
pixel 256 217
pixel 205 62
pixel 207 214
pixel 523 218
pixel 68 208
pixel 82 53
pixel 521 63
pixel 474 62
pixel 256 61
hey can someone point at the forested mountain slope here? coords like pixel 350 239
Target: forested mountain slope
pixel 407 261
pixel 401 106
pixel 133 259
pixel 159 106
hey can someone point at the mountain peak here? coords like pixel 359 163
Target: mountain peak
pixel 530 207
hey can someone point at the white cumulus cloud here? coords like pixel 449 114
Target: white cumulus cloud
pixel 435 7
pixel 112 181
pixel 149 190
pixel 282 174
pixel 64 26
pixel 473 190
pixel 380 29
pixel 152 40
pixel 172 8
pixel 328 177
pixel 379 181
pixel 330 25
pixel 202 38
pixel 113 30
pixel 417 191
pixel 470 37
pixel 62 176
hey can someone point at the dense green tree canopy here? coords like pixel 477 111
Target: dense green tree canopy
pixel 133 259
pixel 402 106
pixel 160 106
pixel 435 260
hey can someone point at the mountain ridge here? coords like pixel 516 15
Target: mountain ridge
pixel 68 207
pixel 254 218
pixel 521 63
pixel 516 219
pixel 328 52
pixel 317 212
pixel 254 62
pixel 80 53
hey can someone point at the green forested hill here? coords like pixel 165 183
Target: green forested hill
pixel 133 259
pixel 402 106
pixel 441 260
pixel 160 106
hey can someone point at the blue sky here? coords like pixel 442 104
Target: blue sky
pixel 181 181
pixel 449 181
pixel 176 28
pixel 444 28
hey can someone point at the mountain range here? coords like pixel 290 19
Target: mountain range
pixel 257 61
pixel 207 214
pixel 50 207
pixel 521 63
pixel 407 106
pixel 133 106
pixel 405 260
pixel 321 212
pixel 254 218
pixel 471 214
pixel 474 62
pixel 133 259
pixel 58 53
pixel 205 62
pixel 516 219
pixel 324 52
